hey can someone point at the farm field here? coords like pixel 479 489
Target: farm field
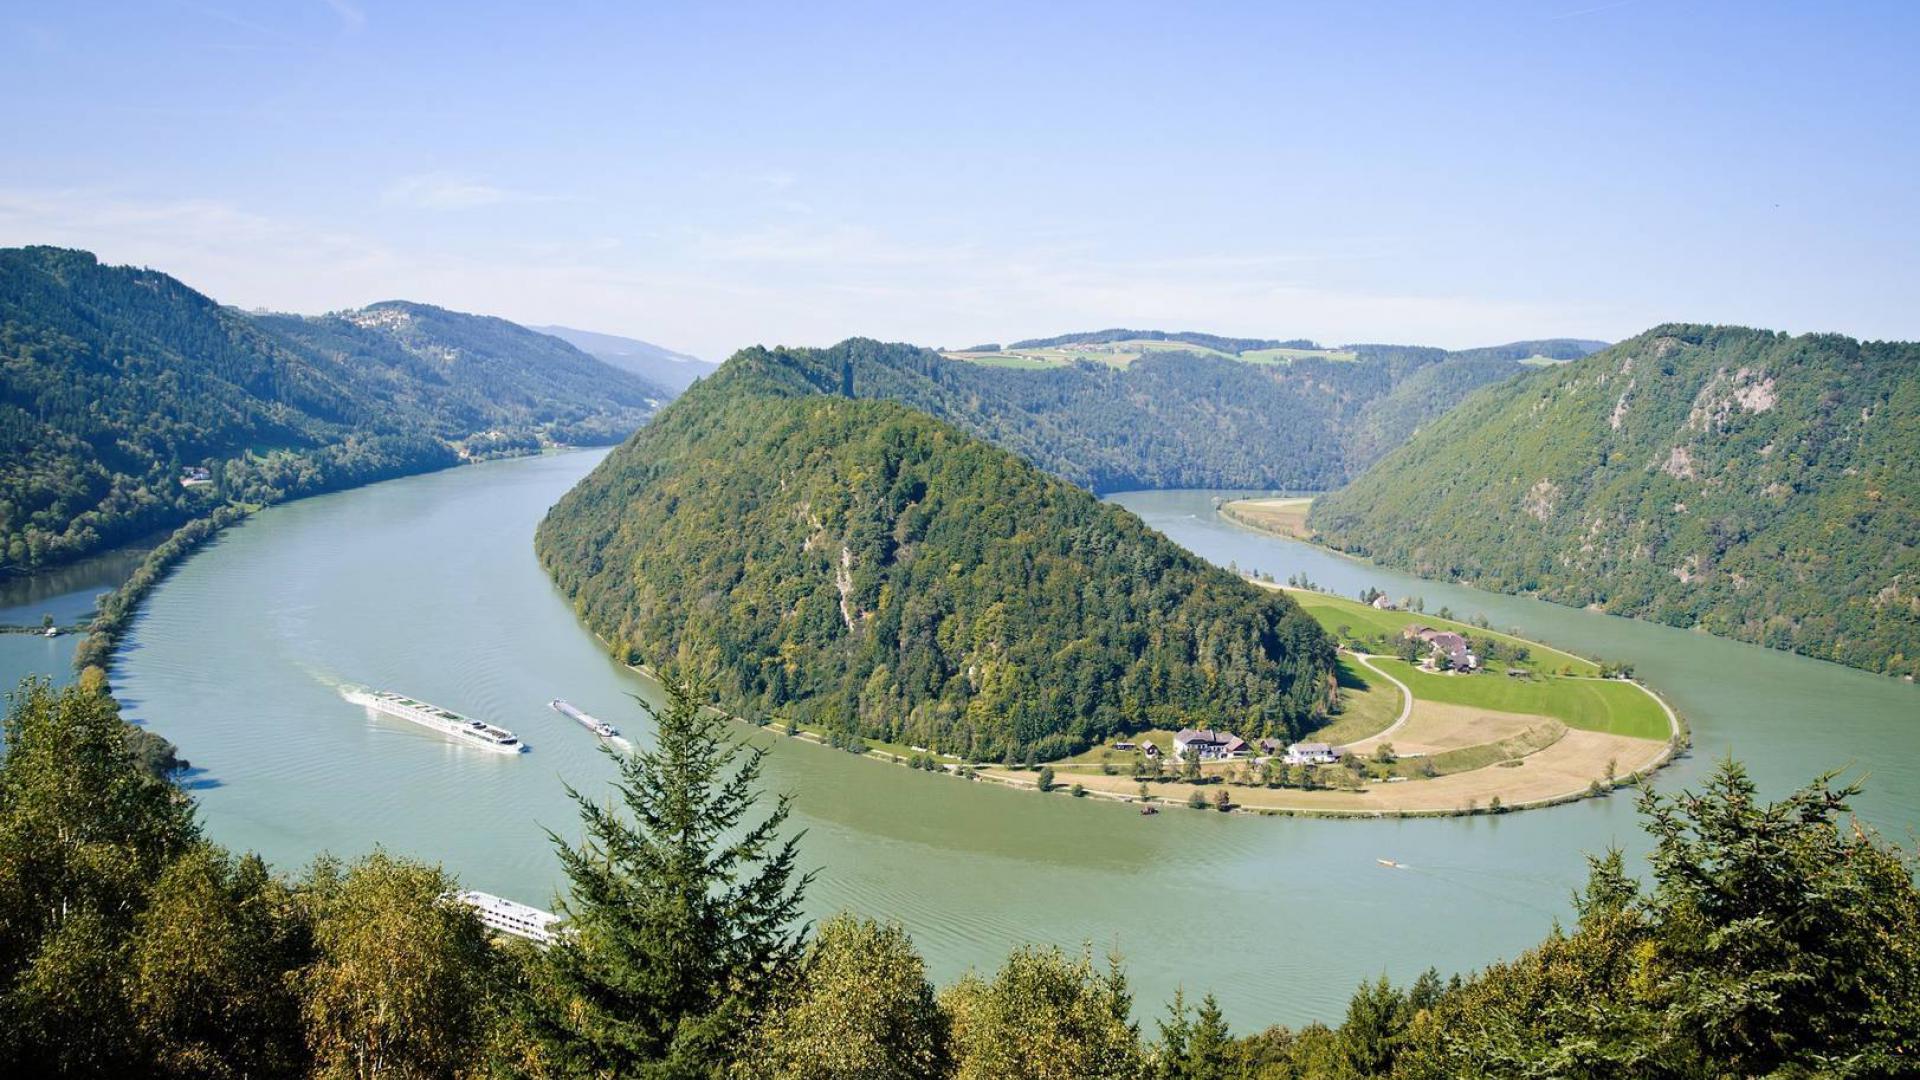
pixel 1285 517
pixel 1120 354
pixel 1437 727
pixel 1605 705
pixel 1563 769
pixel 1466 740
pixel 1366 622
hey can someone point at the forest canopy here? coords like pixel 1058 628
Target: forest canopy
pixel 117 385
pixel 1755 485
pixel 1176 418
pixel 860 566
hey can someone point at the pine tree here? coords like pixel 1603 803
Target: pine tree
pixel 681 917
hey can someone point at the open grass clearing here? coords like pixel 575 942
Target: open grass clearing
pixel 1367 622
pixel 1006 360
pixel 1288 356
pixel 1286 517
pixel 1437 727
pixel 1528 742
pixel 1369 705
pixel 1604 705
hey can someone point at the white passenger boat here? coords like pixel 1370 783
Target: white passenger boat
pixel 462 729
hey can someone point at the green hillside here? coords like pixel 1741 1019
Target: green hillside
pixel 115 381
pixel 475 373
pixel 862 567
pixel 1199 417
pixel 1749 483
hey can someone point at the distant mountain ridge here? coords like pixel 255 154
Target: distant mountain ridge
pixel 119 385
pixel 1178 419
pixel 1753 484
pixel 673 371
pixel 1189 337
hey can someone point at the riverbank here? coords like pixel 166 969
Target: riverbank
pixel 1279 516
pixel 1484 760
pixel 426 585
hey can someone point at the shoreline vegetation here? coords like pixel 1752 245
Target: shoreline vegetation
pixel 1745 483
pixel 1495 762
pixel 1498 784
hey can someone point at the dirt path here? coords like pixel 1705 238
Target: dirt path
pixel 1406 700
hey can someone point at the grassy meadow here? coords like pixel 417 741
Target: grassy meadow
pixel 1604 705
pixel 1120 354
pixel 1366 623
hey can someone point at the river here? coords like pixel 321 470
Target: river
pixel 429 585
pixel 69 595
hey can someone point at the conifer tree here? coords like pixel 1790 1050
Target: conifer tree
pixel 681 918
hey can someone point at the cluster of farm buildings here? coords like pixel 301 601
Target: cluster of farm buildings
pixel 1445 643
pixel 1206 744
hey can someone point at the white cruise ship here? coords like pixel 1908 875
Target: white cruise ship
pixel 594 724
pixel 512 917
pixel 462 729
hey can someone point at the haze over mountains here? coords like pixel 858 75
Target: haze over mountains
pixel 659 365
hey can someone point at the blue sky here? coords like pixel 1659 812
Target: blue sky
pixel 710 176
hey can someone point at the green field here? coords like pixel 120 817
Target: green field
pixel 1612 707
pixel 1009 360
pixel 1288 356
pixel 1122 353
pixel 1366 622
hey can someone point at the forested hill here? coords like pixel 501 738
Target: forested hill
pixel 1753 484
pixel 862 566
pixel 115 381
pixel 472 372
pixel 1178 419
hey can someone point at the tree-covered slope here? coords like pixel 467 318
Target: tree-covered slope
pixel 1177 419
pixel 862 566
pixel 1753 484
pixel 475 372
pixel 115 380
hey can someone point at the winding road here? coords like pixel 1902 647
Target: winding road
pixel 1406 699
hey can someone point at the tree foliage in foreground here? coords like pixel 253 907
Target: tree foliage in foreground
pixel 681 916
pixel 1771 939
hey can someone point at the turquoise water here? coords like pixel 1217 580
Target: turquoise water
pixel 428 585
pixel 69 594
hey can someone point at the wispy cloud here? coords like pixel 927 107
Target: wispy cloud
pixel 711 292
pixel 440 191
pixel 351 17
